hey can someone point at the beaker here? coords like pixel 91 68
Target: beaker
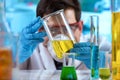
pixel 61 37
pixel 68 70
pixel 59 32
pixel 115 39
pixel 104 66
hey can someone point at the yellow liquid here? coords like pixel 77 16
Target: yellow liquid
pixel 104 73
pixel 61 46
pixel 116 45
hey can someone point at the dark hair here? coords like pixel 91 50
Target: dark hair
pixel 49 6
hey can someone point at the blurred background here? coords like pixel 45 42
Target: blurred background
pixel 20 13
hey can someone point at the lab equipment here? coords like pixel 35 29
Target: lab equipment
pixel 115 39
pixel 29 39
pixel 6 63
pixel 3 23
pixel 83 50
pixel 94 39
pixel 68 70
pixel 5 46
pixel 104 70
pixel 61 39
pixel 59 33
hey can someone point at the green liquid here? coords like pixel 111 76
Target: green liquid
pixel 95 73
pixel 104 73
pixel 68 73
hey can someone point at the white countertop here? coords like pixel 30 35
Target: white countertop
pixel 46 74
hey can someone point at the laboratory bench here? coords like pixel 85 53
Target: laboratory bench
pixel 46 74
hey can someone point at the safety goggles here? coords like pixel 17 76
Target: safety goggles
pixel 54 28
pixel 75 26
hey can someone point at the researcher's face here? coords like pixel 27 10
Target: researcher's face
pixel 75 26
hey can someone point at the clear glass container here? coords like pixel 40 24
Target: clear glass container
pixel 94 39
pixel 5 46
pixel 6 62
pixel 115 39
pixel 59 33
pixel 3 23
pixel 105 69
pixel 68 70
pixel 61 39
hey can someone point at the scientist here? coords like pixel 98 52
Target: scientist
pixel 34 52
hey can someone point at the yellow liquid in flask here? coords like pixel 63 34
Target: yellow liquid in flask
pixel 116 45
pixel 61 46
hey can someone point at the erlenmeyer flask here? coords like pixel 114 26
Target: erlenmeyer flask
pixel 68 70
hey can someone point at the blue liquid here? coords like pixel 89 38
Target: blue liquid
pixel 95 62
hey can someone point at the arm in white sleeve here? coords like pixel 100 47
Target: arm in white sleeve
pixel 105 45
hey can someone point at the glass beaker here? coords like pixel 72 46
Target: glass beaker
pixel 6 56
pixel 59 32
pixel 104 67
pixel 115 39
pixel 94 39
pixel 68 70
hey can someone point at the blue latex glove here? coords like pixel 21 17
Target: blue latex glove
pixel 29 39
pixel 83 50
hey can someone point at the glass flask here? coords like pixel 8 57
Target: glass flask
pixel 115 39
pixel 104 69
pixel 6 57
pixel 94 39
pixel 68 70
pixel 59 33
pixel 3 23
pixel 61 38
pixel 5 46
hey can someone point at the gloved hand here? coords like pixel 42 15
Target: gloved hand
pixel 29 39
pixel 83 50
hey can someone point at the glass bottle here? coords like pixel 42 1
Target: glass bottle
pixel 115 39
pixel 94 20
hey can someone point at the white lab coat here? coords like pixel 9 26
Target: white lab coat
pixel 43 59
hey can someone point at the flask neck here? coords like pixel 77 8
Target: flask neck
pixel 2 10
pixel 3 23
